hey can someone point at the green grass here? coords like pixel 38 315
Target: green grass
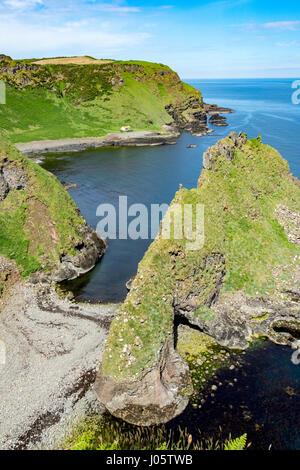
pixel 41 115
pixel 147 66
pixel 240 198
pixel 14 243
pixel 108 433
pixel 67 101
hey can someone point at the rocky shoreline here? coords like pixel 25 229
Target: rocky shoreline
pixel 135 138
pixel 197 126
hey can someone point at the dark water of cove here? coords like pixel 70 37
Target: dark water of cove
pixel 265 399
pixel 260 397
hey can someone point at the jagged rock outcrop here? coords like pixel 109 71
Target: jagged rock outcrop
pixel 218 120
pixel 192 116
pixel 214 108
pixel 226 148
pixel 242 281
pixel 11 177
pixel 88 251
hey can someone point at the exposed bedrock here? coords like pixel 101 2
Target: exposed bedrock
pixel 11 177
pixel 240 318
pixel 218 120
pixel 225 148
pixel 159 395
pixel 88 252
pixel 192 116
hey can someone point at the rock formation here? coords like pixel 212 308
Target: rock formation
pixel 156 397
pixel 242 283
pixel 5 58
pixel 225 148
pixel 192 116
pixel 218 120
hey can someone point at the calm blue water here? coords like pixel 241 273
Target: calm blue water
pixel 262 106
pixel 265 401
pixel 152 175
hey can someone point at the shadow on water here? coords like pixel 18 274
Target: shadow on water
pixel 260 397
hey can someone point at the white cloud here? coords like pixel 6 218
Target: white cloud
pixel 22 4
pixel 117 8
pixel 282 25
pixel 72 38
pixel 63 6
pixel 288 44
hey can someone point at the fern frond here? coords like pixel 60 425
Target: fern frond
pixel 236 444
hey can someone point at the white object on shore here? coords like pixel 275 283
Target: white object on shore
pixel 126 128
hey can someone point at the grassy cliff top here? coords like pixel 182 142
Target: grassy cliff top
pixel 243 240
pixel 38 219
pixel 65 100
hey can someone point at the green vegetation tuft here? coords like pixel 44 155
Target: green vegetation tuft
pixel 237 444
pixel 108 433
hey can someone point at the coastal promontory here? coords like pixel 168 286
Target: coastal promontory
pixel 240 284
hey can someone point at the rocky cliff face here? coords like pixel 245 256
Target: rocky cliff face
pixel 11 178
pixel 41 229
pixel 243 282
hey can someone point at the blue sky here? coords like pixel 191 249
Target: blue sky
pixel 199 39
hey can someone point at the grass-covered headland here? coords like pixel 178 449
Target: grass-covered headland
pixel 91 98
pixel 40 225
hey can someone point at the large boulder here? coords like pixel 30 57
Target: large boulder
pixel 157 396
